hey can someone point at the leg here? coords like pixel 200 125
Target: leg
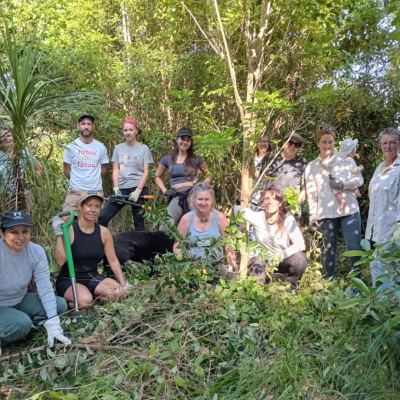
pixel 137 214
pixel 14 325
pixel 107 289
pixel 351 228
pixel 256 267
pixel 175 211
pixel 294 266
pixel 33 307
pixel 72 202
pixel 109 211
pixel 330 228
pixel 85 298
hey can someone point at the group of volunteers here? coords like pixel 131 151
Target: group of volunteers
pixel 330 183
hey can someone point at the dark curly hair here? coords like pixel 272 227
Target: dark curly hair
pixel 282 211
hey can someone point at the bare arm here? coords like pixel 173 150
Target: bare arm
pixel 204 169
pixel 159 173
pixel 183 230
pixel 230 253
pixel 60 254
pixel 67 170
pixel 111 256
pixel 115 174
pixel 103 169
pixel 143 179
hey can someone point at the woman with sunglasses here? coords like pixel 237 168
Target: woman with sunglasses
pixel 203 224
pixel 287 168
pixel 325 210
pixel 182 165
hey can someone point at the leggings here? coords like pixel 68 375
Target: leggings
pixel 351 228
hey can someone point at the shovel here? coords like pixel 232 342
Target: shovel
pixel 65 228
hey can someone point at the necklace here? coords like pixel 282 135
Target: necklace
pixel 203 220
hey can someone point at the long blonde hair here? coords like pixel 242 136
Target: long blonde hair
pixel 200 187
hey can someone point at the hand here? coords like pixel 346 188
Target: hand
pixel 57 222
pixel 314 223
pixel 127 286
pixel 357 193
pixel 117 192
pixel 54 331
pixel 361 167
pixel 396 234
pixel 335 183
pixel 170 192
pixel 134 195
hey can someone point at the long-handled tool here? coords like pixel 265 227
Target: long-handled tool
pixel 122 199
pixel 65 228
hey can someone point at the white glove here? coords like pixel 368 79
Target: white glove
pixel 54 331
pixel 134 195
pixel 127 286
pixel 57 222
pixel 314 223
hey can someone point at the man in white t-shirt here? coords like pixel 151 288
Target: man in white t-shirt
pixel 85 161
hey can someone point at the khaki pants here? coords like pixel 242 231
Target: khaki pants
pixel 73 200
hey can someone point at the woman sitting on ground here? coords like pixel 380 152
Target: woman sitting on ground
pixel 20 261
pixel 277 231
pixel 182 165
pixel 203 224
pixel 89 243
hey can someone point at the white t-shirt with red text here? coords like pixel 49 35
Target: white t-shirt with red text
pixel 85 160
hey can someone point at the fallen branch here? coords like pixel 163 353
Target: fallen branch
pixel 96 347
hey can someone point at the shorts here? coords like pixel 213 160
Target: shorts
pixel 73 200
pixel 63 283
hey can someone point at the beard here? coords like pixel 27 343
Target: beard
pixel 85 133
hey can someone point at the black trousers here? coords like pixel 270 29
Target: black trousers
pixel 112 208
pixel 294 266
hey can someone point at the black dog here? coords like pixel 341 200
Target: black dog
pixel 140 246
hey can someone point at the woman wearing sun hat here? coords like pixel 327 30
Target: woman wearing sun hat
pixel 131 162
pixel 324 208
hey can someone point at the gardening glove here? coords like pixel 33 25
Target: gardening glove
pixel 57 222
pixel 170 192
pixel 396 234
pixel 117 192
pixel 335 183
pixel 127 286
pixel 54 331
pixel 314 223
pixel 134 195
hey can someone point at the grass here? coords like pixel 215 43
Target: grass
pixel 237 341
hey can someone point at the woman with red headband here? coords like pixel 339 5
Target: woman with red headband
pixel 130 170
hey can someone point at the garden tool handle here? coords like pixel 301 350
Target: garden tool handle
pixel 65 228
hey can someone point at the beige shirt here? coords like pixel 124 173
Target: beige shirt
pixel 384 207
pixel 321 198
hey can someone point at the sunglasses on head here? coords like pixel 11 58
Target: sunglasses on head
pixel 295 144
pixel 203 186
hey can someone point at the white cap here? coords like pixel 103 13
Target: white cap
pixel 347 146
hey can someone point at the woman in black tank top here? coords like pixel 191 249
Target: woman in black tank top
pixel 90 242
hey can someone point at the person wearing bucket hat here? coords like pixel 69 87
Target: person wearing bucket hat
pixel 182 165
pixel 90 243
pixel 84 162
pixel 20 262
pixel 287 168
pixel 345 169
pixel 321 200
pixel 131 162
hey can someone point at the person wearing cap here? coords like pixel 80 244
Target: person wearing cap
pixel 20 262
pixel 90 242
pixel 383 224
pixel 130 170
pixel 287 168
pixel 345 169
pixel 182 165
pixel 324 208
pixel 85 161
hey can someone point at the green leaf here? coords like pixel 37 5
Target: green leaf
pixel 353 273
pixel 179 381
pixel 359 284
pixel 353 253
pixel 384 286
pixel 350 303
pixel 199 371
pixel 117 322
pixel 349 347
pixel 56 395
pixel 394 321
pixel 375 328
pixel 365 244
pixel 152 349
pixel 199 359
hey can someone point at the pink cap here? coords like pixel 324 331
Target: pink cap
pixel 133 122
